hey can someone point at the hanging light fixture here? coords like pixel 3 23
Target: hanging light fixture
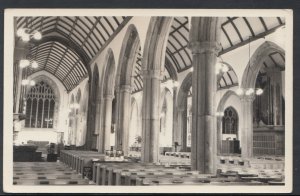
pixel 26 34
pixel 25 63
pixel 25 82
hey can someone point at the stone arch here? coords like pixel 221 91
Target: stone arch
pixel 256 62
pixel 230 68
pixel 183 91
pixel 109 74
pixel 224 99
pixel 152 71
pixel 108 88
pixel 155 44
pixel 171 69
pixel 130 46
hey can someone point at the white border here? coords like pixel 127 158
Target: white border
pixel 8 104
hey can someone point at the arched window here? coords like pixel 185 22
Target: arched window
pixel 230 121
pixel 40 104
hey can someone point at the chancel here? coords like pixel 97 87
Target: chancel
pixel 139 101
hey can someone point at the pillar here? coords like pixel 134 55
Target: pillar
pixel 151 115
pixel 247 126
pixel 175 116
pixel 91 124
pixel 219 135
pixel 182 124
pixel 123 120
pixel 106 125
pixel 204 44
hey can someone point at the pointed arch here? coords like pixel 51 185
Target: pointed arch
pixel 256 62
pixel 109 74
pixel 130 46
pixel 155 44
pixel 224 99
pixel 184 90
pixel 227 79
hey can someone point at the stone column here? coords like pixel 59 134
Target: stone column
pixel 175 117
pixel 182 125
pixel 247 126
pixel 99 121
pixel 20 52
pixel 124 117
pixel 151 115
pixel 90 123
pixel 204 44
pixel 106 125
pixel 219 135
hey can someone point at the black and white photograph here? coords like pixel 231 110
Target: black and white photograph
pixel 178 101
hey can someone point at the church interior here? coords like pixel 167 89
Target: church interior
pixel 144 101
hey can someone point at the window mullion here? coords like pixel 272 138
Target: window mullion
pixel 30 117
pixel 48 113
pixel 43 113
pixel 36 114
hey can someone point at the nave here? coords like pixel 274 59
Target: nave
pixel 90 168
pixel 121 100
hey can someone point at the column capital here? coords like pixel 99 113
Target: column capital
pixel 152 74
pixel 124 88
pixel 198 47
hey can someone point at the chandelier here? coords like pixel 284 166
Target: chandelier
pixel 26 34
pixel 249 91
pixel 25 63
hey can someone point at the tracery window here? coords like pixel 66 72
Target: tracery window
pixel 230 121
pixel 40 105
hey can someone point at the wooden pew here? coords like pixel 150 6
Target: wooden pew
pixel 123 175
pixel 51 182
